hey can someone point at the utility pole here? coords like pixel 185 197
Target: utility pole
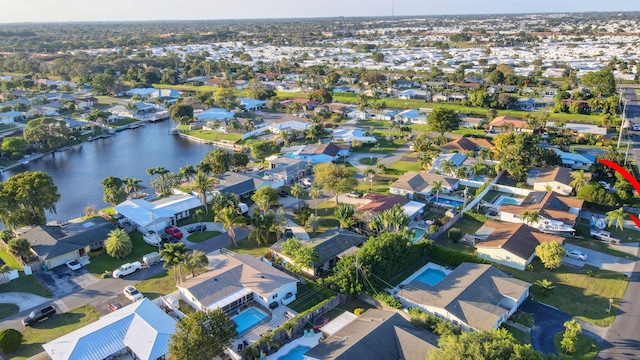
pixel 624 110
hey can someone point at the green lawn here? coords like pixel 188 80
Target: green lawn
pixel 373 122
pixel 251 247
pixel 586 348
pixel 380 186
pixel 383 146
pixel 404 166
pixel 25 283
pixel 576 293
pixel 327 220
pixel 101 263
pixel 521 336
pixel 159 285
pixel 306 298
pixel 9 259
pixel 7 310
pixel 53 328
pixel 214 135
pixel 198 237
pixel 465 131
pixel 369 161
pixel 123 122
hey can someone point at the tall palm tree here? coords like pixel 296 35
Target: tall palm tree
pixel 131 185
pixel 204 184
pixel 284 136
pixel 425 161
pixel 344 213
pixel 230 219
pixel 616 216
pixel 316 193
pixel 485 153
pixel 261 225
pixel 530 217
pixel 437 187
pixel 296 190
pixel 580 179
pixel 173 255
pixel 162 173
pixel 370 173
pixel 447 167
pixel 187 172
pixel 151 172
pixel 313 133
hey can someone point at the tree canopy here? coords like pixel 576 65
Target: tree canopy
pixel 442 120
pixel 25 197
pixel 497 344
pixel 114 191
pixel 265 198
pixel 600 82
pixel 335 178
pixel 202 335
pixel 261 149
pixel 302 255
pixel 49 133
pixel 551 254
pixel 219 160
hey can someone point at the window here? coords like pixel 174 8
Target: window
pixel 274 296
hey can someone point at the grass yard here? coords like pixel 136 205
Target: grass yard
pixel 123 122
pixel 251 247
pixel 383 146
pixel 522 336
pixel 9 259
pixel 101 263
pixel 373 122
pixel 306 298
pixel 576 293
pixel 379 186
pixel 25 283
pixel 7 310
pixel 53 328
pixel 466 131
pixel 369 161
pixel 327 220
pixel 404 166
pixel 214 135
pixel 198 237
pixel 586 348
pixel 159 285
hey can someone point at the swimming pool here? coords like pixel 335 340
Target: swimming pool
pixel 418 233
pixel 504 199
pixel 249 318
pixel 447 202
pixel 431 276
pixel 296 353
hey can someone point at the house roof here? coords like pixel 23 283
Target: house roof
pixel 502 120
pixel 557 173
pixel 518 239
pixel 466 143
pixel 320 149
pixel 549 205
pixel 572 158
pixel 215 114
pixel 471 292
pixel 233 273
pixel 417 181
pixel 376 334
pixel 142 327
pixel 43 238
pixel 329 244
pixel 381 202
pixel 236 183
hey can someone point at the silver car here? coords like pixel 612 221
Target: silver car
pixel 575 254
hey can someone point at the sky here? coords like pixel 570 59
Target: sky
pixel 131 10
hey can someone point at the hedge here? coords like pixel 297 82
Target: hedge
pixel 450 257
pixel 388 299
pixel 477 216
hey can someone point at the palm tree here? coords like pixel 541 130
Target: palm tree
pixel 394 219
pixel 230 219
pixel 296 190
pixel 203 185
pixel 437 187
pixel 314 222
pixel 195 260
pixel 131 185
pixel 151 172
pixel 546 286
pixel 162 172
pixel 118 244
pixel 173 255
pixel 284 136
pixel 530 217
pixel 462 172
pixel 261 227
pixel 187 172
pixel 370 172
pixel 616 216
pixel 447 167
pixel 344 213
pixel 580 179
pixel 316 193
pixel 313 133
pixel 198 215
pixel 425 161
pixel 485 153
pixel 20 247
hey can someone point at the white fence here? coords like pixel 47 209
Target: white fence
pixel 254 132
pixel 511 190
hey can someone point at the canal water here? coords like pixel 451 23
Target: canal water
pixel 78 172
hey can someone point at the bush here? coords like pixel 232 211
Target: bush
pixel 10 340
pixel 388 299
pixel 358 311
pixel 477 216
pixel 432 229
pixel 443 255
pixel 432 323
pixel 590 273
pixel 455 235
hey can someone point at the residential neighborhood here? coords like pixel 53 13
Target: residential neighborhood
pixel 392 190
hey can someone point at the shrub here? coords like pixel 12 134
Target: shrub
pixel 10 340
pixel 455 235
pixel 590 273
pixel 358 311
pixel 388 299
pixel 432 229
pixel 530 267
pixel 477 216
pixel 443 255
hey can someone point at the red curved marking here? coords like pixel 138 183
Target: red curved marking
pixel 632 180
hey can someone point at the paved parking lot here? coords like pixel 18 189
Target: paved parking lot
pixel 600 260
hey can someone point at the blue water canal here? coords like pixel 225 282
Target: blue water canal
pixel 78 172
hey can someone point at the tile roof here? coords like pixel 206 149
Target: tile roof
pixel 466 143
pixel 501 120
pixel 418 181
pixel 471 292
pixel 517 238
pixel 329 244
pixel 549 205
pixel 381 202
pixel 556 173
pixel 376 334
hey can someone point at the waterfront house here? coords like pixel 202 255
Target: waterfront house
pixel 238 280
pixel 556 179
pixel 140 330
pixel 376 334
pixel 330 246
pixel 412 183
pixel 214 114
pixel 472 296
pixel 146 215
pixel 239 184
pixel 320 153
pixel 509 244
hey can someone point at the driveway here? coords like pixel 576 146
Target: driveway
pixel 601 260
pixel 23 300
pixel 219 241
pixel 61 280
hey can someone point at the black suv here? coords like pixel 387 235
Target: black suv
pixel 168 239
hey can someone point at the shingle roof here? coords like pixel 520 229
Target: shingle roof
pixel 466 143
pixel 519 239
pixel 380 202
pixel 329 244
pixel 233 273
pixel 376 334
pixel 548 204
pixel 316 149
pixel 235 183
pixel 502 120
pixel 471 292
pixel 557 173
pixel 415 181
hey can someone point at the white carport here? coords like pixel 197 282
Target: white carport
pixel 143 214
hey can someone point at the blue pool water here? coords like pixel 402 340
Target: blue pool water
pixel 296 353
pixel 448 202
pixel 417 234
pixel 431 276
pixel 502 200
pixel 248 319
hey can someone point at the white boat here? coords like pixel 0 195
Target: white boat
pixel 556 228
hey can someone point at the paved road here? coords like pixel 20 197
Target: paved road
pixel 602 260
pixel 623 338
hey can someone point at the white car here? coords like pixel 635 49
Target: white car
pixel 132 293
pixel 127 269
pixel 73 265
pixel 636 127
pixel 575 254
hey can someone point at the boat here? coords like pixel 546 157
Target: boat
pixel 25 162
pixel 556 228
pixel 174 131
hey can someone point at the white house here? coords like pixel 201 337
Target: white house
pixel 214 114
pixel 473 296
pixel 348 135
pixel 236 281
pixel 412 116
pixel 12 116
pixel 556 179
pixel 288 126
pixel 413 182
pixel 573 160
pixel 145 215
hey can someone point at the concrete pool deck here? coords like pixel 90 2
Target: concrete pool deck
pixel 309 341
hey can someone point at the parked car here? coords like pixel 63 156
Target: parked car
pixel 132 293
pixel 127 269
pixel 636 127
pixel 283 193
pixel 173 231
pixel 114 306
pixel 354 194
pixel 306 182
pixel 575 254
pixel 197 228
pixel 39 315
pixel 288 233
pixel 168 239
pixel 73 265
